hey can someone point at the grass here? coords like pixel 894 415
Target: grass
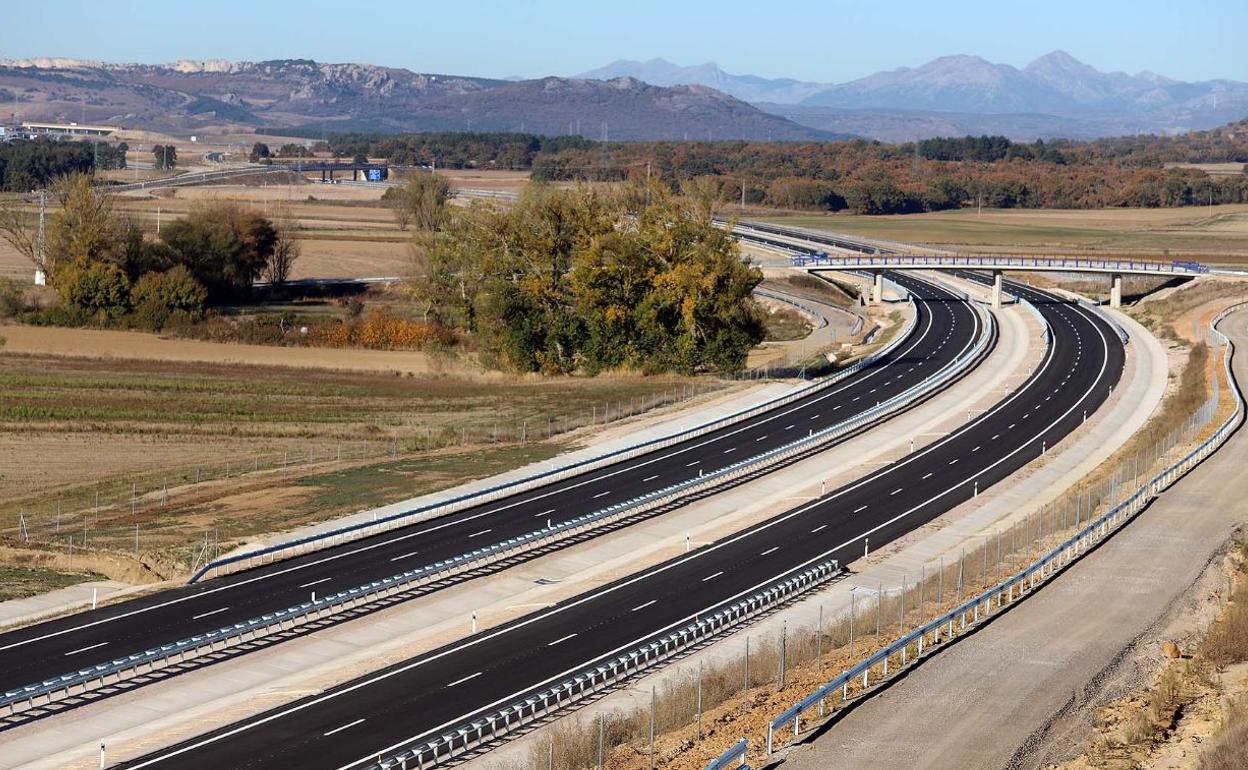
pixel 21 582
pixel 1220 235
pixel 786 324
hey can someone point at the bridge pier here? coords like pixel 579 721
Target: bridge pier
pixel 877 288
pixel 1115 291
pixel 996 289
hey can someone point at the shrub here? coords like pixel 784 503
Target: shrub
pixel 12 301
pixel 157 296
pixel 99 288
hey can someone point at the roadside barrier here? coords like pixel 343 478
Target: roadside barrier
pixel 298 546
pixel 735 754
pixel 333 604
pixel 949 627
pixel 427 751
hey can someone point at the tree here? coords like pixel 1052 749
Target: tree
pixel 20 230
pixel 99 288
pixel 285 250
pixel 420 202
pixel 225 247
pixel 259 152
pixel 166 156
pixel 86 228
pixel 159 296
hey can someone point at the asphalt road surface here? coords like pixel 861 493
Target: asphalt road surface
pixel 348 726
pixel 945 328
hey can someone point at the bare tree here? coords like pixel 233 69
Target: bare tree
pixel 21 231
pixel 285 251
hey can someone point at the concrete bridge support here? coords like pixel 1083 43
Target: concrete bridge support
pixel 877 288
pixel 1115 291
pixel 996 289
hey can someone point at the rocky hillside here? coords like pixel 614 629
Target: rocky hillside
pixel 187 96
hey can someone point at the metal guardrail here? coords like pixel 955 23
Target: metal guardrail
pixel 424 752
pixel 735 754
pixel 332 604
pixel 980 608
pixel 352 532
pixel 1004 261
pixel 823 320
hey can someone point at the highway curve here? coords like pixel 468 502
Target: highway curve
pixel 946 327
pixel 349 725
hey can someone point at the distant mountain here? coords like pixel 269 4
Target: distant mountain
pixel 1055 95
pixel 750 88
pixel 194 95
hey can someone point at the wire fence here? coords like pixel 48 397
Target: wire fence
pixel 147 515
pixel 786 666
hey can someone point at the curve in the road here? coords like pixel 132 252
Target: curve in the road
pixel 946 328
pixel 348 726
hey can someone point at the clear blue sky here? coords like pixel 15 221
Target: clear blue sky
pixel 828 40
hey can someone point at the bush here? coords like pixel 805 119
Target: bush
pixel 98 288
pixel 157 296
pixel 12 301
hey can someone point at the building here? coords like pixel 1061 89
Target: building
pixel 68 129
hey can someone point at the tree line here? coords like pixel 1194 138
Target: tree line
pixel 105 270
pixel 32 164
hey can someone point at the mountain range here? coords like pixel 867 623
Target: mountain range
pixel 1055 95
pixel 203 95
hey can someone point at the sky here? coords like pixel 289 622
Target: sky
pixel 823 41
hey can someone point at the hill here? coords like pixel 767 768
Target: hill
pixel 199 95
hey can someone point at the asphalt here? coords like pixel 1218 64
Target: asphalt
pixel 348 726
pixel 945 327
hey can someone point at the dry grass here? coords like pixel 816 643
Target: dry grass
pixel 1217 235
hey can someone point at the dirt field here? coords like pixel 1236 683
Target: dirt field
pixel 1218 235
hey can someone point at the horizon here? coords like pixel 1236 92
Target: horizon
pixel 479 39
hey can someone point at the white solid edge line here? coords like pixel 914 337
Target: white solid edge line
pixel 848 383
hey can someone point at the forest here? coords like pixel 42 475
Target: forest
pixel 863 176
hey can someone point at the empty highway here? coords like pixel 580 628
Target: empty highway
pixel 348 726
pixel 945 328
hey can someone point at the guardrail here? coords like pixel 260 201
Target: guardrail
pixel 426 752
pixel 979 609
pixel 1004 261
pixel 88 678
pixel 358 531
pixel 823 320
pixel 735 754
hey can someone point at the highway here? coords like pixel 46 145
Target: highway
pixel 348 726
pixel 946 327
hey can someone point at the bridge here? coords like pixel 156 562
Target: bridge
pixel 996 264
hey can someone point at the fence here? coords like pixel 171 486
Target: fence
pixel 405 518
pixel 949 626
pixel 999 262
pixel 333 604
pixel 79 519
pixel 425 751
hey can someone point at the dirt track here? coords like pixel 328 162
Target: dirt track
pixel 1021 692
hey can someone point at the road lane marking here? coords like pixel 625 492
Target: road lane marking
pixel 895 491
pixel 482 532
pixel 602 494
pixel 816 529
pixel 788 427
pixel 926 475
pixel 340 729
pixel 712 577
pixel 860 509
pixel 651 478
pixel 773 549
pixel 560 639
pixel 404 556
pixel 643 606
pixel 954 460
pixel 84 649
pixel 760 438
pixel 544 513
pixel 206 614
pixel 730 449
pixel 316 582
pixel 465 679
pixel 690 465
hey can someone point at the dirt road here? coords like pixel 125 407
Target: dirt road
pixel 1020 693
